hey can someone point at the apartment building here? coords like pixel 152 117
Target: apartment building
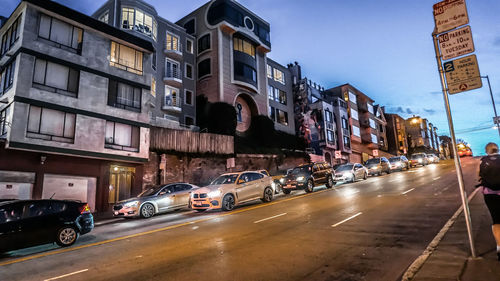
pixel 173 63
pixel 381 123
pixel 231 57
pixel 396 134
pixel 280 95
pixel 74 106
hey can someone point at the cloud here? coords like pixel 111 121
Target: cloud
pixel 412 111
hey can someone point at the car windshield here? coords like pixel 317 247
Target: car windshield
pixel 225 179
pixel 394 159
pixel 416 156
pixel 347 167
pixel 150 191
pixel 300 170
pixel 373 161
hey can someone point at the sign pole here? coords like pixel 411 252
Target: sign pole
pixel 493 102
pixel 456 158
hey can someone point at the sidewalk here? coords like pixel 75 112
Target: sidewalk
pixel 451 259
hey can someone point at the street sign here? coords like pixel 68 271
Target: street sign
pixel 456 43
pixel 338 154
pixel 375 152
pixel 462 74
pixel 449 14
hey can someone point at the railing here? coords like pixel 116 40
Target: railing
pixel 175 73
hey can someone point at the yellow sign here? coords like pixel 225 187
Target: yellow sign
pixel 462 74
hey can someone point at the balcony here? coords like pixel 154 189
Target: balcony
pixel 173 51
pixel 173 77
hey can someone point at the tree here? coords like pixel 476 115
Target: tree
pixel 262 130
pixel 202 106
pixel 221 118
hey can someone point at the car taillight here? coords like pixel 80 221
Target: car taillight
pixel 85 209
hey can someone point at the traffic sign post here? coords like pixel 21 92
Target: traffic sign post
pixel 456 43
pixel 462 74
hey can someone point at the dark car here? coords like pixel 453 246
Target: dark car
pixel 399 163
pixel 308 176
pixel 26 223
pixel 377 166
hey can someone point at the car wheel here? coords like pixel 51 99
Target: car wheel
pixel 309 186
pixel 388 171
pixel 268 195
pixel 200 210
pixel 228 202
pixel 147 211
pixel 66 236
pixel 365 176
pixel 286 191
pixel 329 182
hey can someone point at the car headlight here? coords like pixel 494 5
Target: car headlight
pixel 282 180
pixel 214 193
pixel 419 160
pixel 131 204
pixel 273 185
pixel 300 178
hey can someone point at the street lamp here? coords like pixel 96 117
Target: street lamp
pixel 496 122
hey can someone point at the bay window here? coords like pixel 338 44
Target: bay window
pixel 140 21
pixel 9 38
pixel 244 46
pixel 126 58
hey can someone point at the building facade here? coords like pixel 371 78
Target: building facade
pixel 396 135
pixel 73 101
pixel 280 95
pixel 173 64
pixel 231 57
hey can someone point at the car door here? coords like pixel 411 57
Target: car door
pixel 165 198
pixel 39 223
pixel 182 192
pixel 258 184
pixel 317 174
pixel 244 188
pixel 10 226
pixel 358 171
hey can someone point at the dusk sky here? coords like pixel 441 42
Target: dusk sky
pixel 384 48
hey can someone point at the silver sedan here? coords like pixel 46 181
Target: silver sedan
pixel 155 200
pixel 350 172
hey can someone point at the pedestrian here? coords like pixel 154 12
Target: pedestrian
pixel 489 177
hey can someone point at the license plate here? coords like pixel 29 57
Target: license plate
pixel 116 213
pixel 289 186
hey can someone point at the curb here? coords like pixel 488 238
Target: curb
pixel 419 262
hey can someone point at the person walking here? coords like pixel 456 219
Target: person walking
pixel 489 177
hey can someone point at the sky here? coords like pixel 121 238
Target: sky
pixel 383 48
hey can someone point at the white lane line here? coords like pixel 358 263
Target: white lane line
pixel 349 218
pixel 436 178
pixel 66 275
pixel 409 190
pixel 269 218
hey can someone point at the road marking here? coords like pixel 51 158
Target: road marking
pixel 409 190
pixel 60 251
pixel 269 218
pixel 66 275
pixel 349 218
pixel 436 178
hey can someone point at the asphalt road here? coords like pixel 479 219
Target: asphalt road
pixel 368 230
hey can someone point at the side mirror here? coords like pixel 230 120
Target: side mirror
pixel 240 181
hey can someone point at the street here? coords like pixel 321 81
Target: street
pixel 368 230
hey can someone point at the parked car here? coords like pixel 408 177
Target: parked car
pixel 377 166
pixel 154 200
pixel 276 179
pixel 26 223
pixel 308 176
pixel 418 159
pixel 399 163
pixel 229 190
pixel 432 158
pixel 350 172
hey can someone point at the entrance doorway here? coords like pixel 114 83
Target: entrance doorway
pixel 120 183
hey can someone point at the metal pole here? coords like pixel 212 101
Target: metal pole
pixel 456 158
pixel 493 102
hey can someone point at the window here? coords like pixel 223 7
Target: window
pixel 173 69
pixel 355 131
pixel 372 124
pixel 153 86
pixel 272 113
pixel 374 138
pixel 328 116
pixel 190 27
pixel 204 43
pixel 104 17
pixel 4 114
pixel 64 35
pixel 347 143
pixel 244 46
pixel 189 46
pixel 352 97
pixel 51 125
pixel 10 37
pixel 354 114
pixel 239 108
pixel 171 96
pixel 245 71
pixel 188 121
pixel 7 77
pixel 270 92
pixel 172 42
pixel 122 137
pixel 56 78
pixel 188 97
pixel 140 22
pixel 344 123
pixel 124 96
pixel 330 136
pixel 189 71
pixel 370 108
pixel 282 117
pixel 279 76
pixel 269 71
pixel 282 97
pixel 204 68
pixel 153 61
pixel 126 58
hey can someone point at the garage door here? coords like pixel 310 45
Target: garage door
pixel 16 185
pixel 70 188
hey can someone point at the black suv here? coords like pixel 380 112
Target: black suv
pixel 307 176
pixel 26 223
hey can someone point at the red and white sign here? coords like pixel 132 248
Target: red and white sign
pixel 338 154
pixel 449 14
pixel 456 43
pixel 375 152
